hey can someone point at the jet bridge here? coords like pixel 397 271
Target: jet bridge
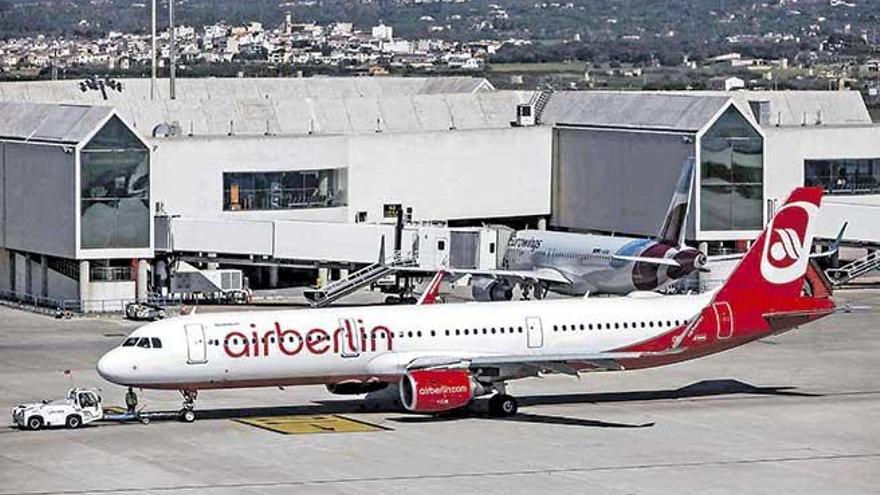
pixel 314 245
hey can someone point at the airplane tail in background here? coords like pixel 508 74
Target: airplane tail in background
pixel 674 224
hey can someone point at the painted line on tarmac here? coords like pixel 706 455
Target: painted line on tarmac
pixel 482 475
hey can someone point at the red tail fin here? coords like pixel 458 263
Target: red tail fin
pixel 765 292
pixel 772 273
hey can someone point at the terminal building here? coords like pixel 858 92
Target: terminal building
pixel 308 174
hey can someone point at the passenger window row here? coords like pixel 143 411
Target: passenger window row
pixel 272 339
pixel 461 332
pixel 144 342
pixel 618 325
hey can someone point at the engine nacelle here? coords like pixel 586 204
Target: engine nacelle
pixel 355 388
pixel 490 289
pixel 428 391
pixel 689 259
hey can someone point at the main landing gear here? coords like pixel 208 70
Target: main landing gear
pixel 186 414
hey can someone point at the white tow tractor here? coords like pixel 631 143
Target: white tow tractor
pixel 82 406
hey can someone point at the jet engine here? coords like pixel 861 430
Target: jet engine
pixel 429 391
pixel 689 259
pixel 490 289
pixel 355 388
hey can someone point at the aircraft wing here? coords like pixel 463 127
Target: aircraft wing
pixel 541 274
pixel 568 364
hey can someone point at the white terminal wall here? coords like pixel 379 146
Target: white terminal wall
pixel 785 150
pixel 442 175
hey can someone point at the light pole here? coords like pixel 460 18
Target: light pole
pixel 172 55
pixel 153 55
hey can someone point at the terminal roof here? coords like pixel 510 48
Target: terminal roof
pixel 660 111
pixel 53 123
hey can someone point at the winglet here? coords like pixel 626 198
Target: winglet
pixel 835 246
pixel 433 289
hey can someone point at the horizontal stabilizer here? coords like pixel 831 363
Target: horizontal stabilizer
pixel 644 259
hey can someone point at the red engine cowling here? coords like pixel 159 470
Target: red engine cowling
pixel 427 391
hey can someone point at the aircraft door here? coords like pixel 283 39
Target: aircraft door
pixel 350 343
pixel 534 332
pixel 723 319
pixel 196 347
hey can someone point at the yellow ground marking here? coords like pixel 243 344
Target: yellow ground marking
pixel 298 425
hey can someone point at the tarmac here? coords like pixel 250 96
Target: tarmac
pixel 796 413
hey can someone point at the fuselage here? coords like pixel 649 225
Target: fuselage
pixel 335 345
pixel 588 261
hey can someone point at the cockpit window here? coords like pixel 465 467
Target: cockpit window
pixel 144 342
pixel 130 342
pixel 157 343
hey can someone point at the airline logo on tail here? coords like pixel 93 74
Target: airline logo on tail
pixel 786 248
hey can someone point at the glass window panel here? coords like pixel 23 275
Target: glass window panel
pixel 114 135
pixel 283 190
pixel 115 192
pixel 731 175
pixel 849 176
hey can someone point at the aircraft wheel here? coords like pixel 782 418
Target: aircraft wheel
pixel 502 405
pixel 187 415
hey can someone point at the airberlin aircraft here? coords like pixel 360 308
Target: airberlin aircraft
pixel 443 356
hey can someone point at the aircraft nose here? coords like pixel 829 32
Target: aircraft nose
pixel 112 367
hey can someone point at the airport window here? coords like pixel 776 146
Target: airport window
pixel 851 177
pixel 157 344
pixel 130 342
pixel 115 190
pixel 731 175
pixel 284 190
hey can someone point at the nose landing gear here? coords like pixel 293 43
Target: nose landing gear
pixel 186 414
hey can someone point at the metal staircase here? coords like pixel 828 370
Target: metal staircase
pixel 539 102
pixel 857 268
pixel 356 280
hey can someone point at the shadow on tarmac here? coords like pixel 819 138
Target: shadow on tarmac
pixel 706 388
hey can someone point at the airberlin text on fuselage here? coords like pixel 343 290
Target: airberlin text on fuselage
pixel 291 342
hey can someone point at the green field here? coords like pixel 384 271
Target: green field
pixel 575 67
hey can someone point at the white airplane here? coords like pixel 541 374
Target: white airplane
pixel 443 356
pixel 576 264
